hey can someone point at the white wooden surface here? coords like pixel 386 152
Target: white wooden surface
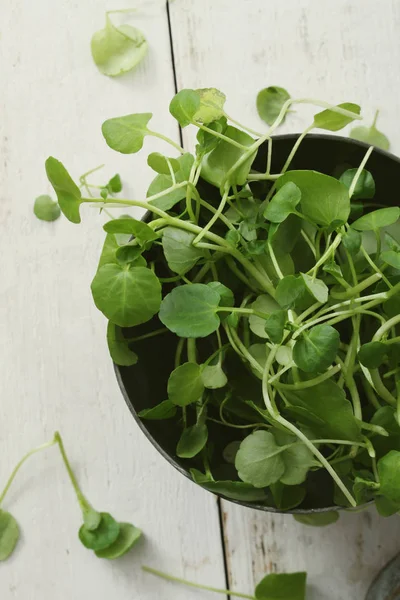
pixel 55 372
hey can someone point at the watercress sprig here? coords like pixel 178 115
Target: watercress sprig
pixel 280 292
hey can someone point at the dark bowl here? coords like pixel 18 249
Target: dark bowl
pixel 144 384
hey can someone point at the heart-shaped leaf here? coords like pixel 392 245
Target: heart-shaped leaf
pixel 46 209
pixel 128 536
pixel 377 219
pixel 315 351
pixel 185 384
pixel 184 105
pixel 101 537
pixel 126 134
pixel 283 203
pixel 270 101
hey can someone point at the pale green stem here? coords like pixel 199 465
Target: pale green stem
pixel 275 262
pixel 252 131
pixel 21 462
pixel 302 385
pixel 226 139
pixel 84 504
pixel 196 585
pixel 359 171
pixel 168 140
pixel 213 219
pixel 375 267
pixel 326 255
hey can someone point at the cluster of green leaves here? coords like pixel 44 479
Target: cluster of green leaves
pixel 99 532
pixel 275 586
pixel 280 293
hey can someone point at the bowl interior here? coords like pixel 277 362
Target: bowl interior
pixel 144 385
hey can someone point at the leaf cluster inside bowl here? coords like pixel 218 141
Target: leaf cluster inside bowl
pixel 280 294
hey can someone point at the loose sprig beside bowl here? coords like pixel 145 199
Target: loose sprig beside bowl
pixel 278 270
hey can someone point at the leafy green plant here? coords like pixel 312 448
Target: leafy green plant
pixel 280 293
pixel 275 586
pixel 99 532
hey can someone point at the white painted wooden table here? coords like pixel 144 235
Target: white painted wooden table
pixel 55 371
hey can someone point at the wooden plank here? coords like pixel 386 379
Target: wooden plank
pixel 335 51
pixel 56 372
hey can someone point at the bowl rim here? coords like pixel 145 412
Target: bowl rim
pixel 170 459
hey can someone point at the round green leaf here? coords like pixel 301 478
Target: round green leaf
pixel 219 161
pixel 126 296
pixel 298 460
pixel 391 258
pixel 184 106
pixel 318 519
pixel 179 251
pixel 185 384
pixel 128 536
pixel 213 377
pixel 117 50
pixel 259 460
pixel 371 136
pixel 46 209
pixel 126 134
pixel 377 219
pixel 211 105
pixel 365 186
pixel 333 121
pixel 290 290
pixel 118 347
pixel 114 186
pixel 275 325
pixel 68 194
pixel 264 304
pixel 102 537
pixel 324 200
pixel 9 534
pixel 283 203
pixel 282 586
pixel 315 351
pixel 192 441
pixel 270 101
pixel 226 295
pixel 389 476
pixel 191 310
pixel 159 163
pixel 235 490
pixel 317 288
pixel 372 354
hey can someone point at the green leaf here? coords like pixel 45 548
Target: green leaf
pixel 9 534
pixel 179 251
pixel 68 194
pixel 91 518
pixel 333 269
pixel 185 384
pixel 46 209
pixel 219 161
pixel 371 135
pixel 131 253
pixel 325 408
pixel 128 536
pixel 191 310
pixel 318 519
pixel 114 186
pixel 333 121
pixel 389 476
pixel 117 50
pixel 184 105
pixel 377 219
pixel 108 252
pixel 118 347
pixel 126 134
pixel 259 460
pixel 206 140
pixel 159 163
pixel 289 290
pixel 211 105
pixel 164 410
pixel 126 296
pixel 324 200
pixel 391 258
pixel 270 101
pixel 213 377
pixel 264 304
pixel 317 288
pixel 235 490
pixel 192 441
pixel 287 497
pixel 316 349
pixel 365 186
pixel 285 235
pixel 283 203
pixel 352 241
pixel 297 459
pixel 162 183
pixel 226 295
pixel 372 354
pixel 141 231
pixel 282 586
pixel 102 537
pixel 385 507
pixel 275 325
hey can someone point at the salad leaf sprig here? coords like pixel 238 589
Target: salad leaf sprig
pixel 99 532
pixel 280 292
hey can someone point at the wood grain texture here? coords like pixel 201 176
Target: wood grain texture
pixel 55 368
pixel 334 50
